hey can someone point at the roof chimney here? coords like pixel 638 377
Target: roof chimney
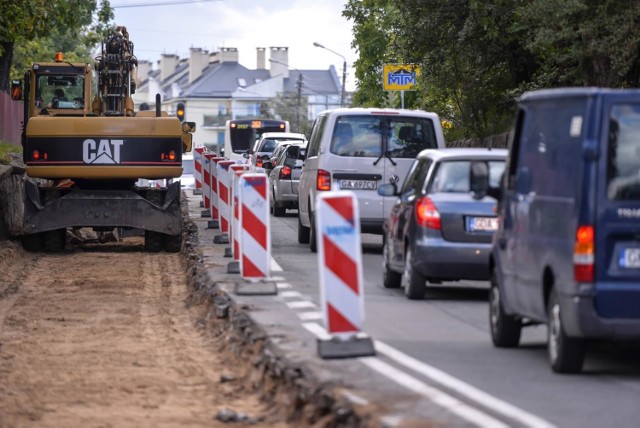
pixel 198 61
pixel 260 59
pixel 228 55
pixel 168 64
pixel 280 64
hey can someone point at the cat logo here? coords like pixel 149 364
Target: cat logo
pixel 105 152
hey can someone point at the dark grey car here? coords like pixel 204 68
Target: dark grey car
pixel 436 230
pixel 284 179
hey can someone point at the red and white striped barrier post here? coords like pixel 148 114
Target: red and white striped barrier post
pixel 213 194
pixel 255 235
pixel 234 225
pixel 340 268
pixel 224 183
pixel 206 185
pixel 197 166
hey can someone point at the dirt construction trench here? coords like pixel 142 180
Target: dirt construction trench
pixel 104 336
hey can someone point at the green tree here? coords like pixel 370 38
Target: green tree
pixel 33 30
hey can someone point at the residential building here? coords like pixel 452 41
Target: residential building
pixel 215 87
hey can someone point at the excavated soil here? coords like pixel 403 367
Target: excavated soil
pixel 104 337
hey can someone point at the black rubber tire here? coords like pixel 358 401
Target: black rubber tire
pixel 505 329
pixel 414 283
pixel 566 354
pixel 303 232
pixel 153 241
pixel 173 243
pixel 313 238
pixel 277 210
pixel 390 279
pixel 32 243
pixel 53 240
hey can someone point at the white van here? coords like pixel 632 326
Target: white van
pixel 359 149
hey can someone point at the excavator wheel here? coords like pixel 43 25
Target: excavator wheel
pixel 54 240
pixel 33 242
pixel 153 241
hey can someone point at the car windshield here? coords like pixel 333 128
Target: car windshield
pixel 453 176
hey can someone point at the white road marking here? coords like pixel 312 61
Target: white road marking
pixel 300 304
pixel 310 316
pixel 290 294
pixel 441 398
pixel 467 390
pixel 275 267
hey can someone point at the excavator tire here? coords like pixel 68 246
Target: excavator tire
pixel 153 241
pixel 54 240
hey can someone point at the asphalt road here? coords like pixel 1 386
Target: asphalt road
pixel 444 342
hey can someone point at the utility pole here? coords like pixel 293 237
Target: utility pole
pixel 299 84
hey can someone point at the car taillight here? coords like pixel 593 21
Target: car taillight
pixel 324 180
pixel 584 254
pixel 285 173
pixel 427 214
pixel 259 162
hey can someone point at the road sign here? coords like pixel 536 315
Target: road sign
pixel 400 77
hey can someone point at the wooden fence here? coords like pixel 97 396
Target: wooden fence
pixel 11 117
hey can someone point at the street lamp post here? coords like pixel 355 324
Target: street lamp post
pixel 344 69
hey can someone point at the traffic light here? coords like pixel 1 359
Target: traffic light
pixel 181 112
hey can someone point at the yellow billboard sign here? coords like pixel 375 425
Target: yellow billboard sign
pixel 400 77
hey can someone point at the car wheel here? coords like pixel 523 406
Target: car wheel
pixel 313 240
pixel 278 211
pixel 566 354
pixel 303 232
pixel 413 282
pixel 390 279
pixel 505 329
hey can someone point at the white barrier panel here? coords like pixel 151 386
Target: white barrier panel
pixel 234 227
pixel 197 166
pixel 213 177
pixel 224 183
pixel 340 262
pixel 255 236
pixel 206 181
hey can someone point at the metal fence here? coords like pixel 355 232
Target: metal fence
pixel 11 118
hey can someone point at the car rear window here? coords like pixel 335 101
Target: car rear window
pixel 370 135
pixel 453 176
pixel 623 159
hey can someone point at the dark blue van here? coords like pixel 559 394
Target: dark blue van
pixel 567 251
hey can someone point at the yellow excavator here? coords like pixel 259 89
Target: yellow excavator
pixel 85 149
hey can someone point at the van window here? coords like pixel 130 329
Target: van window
pixel 368 136
pixel 623 159
pixel 415 178
pixel 316 136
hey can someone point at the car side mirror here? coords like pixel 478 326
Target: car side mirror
pixel 267 165
pixel 290 162
pixel 389 189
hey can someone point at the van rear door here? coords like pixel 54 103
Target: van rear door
pixel 617 258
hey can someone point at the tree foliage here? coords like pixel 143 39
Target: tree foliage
pixel 477 57
pixel 34 30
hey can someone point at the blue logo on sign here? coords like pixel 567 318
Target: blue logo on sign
pixel 401 77
pixel 340 230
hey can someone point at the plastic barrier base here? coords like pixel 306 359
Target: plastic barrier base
pixel 228 252
pixel 233 267
pixel 205 214
pixel 201 202
pixel 221 239
pixel 346 348
pixel 198 192
pixel 213 224
pixel 256 288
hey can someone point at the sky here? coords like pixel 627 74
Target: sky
pixel 158 28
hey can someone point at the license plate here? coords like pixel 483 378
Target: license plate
pixel 359 184
pixel 483 224
pixel 630 258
